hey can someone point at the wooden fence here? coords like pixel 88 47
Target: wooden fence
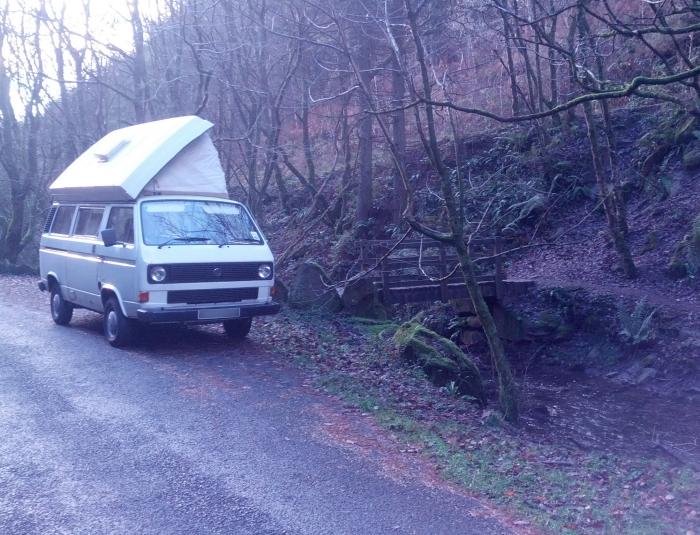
pixel 423 269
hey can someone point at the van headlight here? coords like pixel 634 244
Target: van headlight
pixel 157 273
pixel 264 271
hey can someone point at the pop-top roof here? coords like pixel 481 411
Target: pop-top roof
pixel 145 159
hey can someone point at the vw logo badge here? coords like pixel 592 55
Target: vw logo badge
pixel 216 272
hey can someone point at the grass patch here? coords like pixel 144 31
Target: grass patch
pixel 586 493
pixel 375 328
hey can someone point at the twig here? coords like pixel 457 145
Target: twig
pixel 432 279
pixel 375 266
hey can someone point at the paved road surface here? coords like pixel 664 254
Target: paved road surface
pixel 190 433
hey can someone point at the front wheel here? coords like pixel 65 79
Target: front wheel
pixel 238 329
pixel 118 328
pixel 61 310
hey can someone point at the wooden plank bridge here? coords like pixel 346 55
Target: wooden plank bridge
pixel 425 270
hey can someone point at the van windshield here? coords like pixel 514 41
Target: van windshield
pixel 192 222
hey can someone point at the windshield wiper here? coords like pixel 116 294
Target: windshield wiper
pixel 240 241
pixel 187 239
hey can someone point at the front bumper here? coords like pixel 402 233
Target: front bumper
pixel 191 315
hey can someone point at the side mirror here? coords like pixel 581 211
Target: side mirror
pixel 109 237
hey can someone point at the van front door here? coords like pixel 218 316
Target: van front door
pixel 82 262
pixel 118 262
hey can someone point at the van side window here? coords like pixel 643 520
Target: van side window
pixel 88 222
pixel 62 220
pixel 121 219
pixel 49 218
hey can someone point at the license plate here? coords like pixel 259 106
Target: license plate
pixel 218 313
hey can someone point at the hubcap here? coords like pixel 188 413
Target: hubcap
pixel 112 325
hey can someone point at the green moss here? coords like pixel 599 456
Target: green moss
pixel 381 328
pixel 441 360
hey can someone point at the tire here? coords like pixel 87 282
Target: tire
pixel 238 329
pixel 118 328
pixel 61 310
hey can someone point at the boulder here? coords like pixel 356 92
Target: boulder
pixel 509 324
pixel 360 299
pixel 280 291
pixel 547 325
pixel 440 359
pixel 311 290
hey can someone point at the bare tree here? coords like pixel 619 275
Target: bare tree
pixel 19 137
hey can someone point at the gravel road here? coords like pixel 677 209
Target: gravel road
pixel 188 432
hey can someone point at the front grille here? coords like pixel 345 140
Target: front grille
pixel 223 295
pixel 213 272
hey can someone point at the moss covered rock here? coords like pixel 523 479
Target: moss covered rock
pixel 439 318
pixel 548 325
pixel 440 359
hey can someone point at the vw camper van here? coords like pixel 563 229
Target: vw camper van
pixel 141 230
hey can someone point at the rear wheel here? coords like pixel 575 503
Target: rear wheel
pixel 238 329
pixel 117 327
pixel 61 310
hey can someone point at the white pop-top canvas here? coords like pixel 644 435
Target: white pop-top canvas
pixel 170 156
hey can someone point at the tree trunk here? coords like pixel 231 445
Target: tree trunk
pixel 606 194
pixel 398 127
pixel 364 134
pixel 507 388
pixel 139 70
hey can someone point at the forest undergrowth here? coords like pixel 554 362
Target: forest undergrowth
pixel 608 435
pixel 547 477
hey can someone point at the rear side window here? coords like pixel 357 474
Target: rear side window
pixel 49 218
pixel 121 219
pixel 88 222
pixel 62 220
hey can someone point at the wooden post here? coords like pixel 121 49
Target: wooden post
pixel 499 274
pixel 386 290
pixel 443 273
